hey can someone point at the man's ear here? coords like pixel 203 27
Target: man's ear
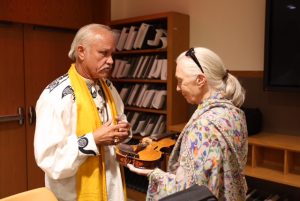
pixel 201 80
pixel 80 52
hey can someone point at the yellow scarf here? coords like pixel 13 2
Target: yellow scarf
pixel 91 176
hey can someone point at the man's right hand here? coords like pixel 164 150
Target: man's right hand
pixel 110 134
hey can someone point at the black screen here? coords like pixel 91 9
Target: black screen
pixel 282 45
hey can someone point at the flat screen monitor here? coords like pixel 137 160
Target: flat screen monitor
pixel 282 45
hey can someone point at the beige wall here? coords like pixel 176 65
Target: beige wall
pixel 235 30
pixel 232 28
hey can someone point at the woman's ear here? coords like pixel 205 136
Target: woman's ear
pixel 201 80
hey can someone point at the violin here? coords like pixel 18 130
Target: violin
pixel 143 155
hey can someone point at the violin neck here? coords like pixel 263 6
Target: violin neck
pixel 164 135
pixel 140 147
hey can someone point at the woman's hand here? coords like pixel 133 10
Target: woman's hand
pixel 144 172
pixel 147 140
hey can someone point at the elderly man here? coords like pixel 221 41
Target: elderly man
pixel 78 123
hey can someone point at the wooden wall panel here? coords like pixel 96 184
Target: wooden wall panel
pixel 56 13
pixel 12 135
pixel 46 58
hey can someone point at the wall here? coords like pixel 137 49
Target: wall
pixel 280 110
pixel 235 30
pixel 232 28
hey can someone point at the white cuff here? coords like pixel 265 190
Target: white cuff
pixel 87 145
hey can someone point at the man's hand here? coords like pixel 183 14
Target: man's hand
pixel 110 134
pixel 122 119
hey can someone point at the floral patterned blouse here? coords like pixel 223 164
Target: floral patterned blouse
pixel 211 150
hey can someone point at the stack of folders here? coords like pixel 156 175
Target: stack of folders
pixel 144 124
pixel 144 36
pixel 144 95
pixel 141 67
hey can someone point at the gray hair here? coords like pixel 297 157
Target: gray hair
pixel 82 37
pixel 218 77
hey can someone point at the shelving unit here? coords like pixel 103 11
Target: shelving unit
pixel 176 108
pixel 177 26
pixel 274 157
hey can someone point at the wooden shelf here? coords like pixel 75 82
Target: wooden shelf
pixel 276 140
pixel 152 81
pixel 145 51
pixel 274 157
pixel 138 109
pixel 248 74
pixel 274 176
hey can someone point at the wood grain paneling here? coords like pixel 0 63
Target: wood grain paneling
pixel 46 58
pixel 67 13
pixel 12 135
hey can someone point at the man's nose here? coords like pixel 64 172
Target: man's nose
pixel 110 60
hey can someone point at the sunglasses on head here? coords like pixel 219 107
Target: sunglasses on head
pixel 191 53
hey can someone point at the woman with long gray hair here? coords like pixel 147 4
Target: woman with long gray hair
pixel 212 148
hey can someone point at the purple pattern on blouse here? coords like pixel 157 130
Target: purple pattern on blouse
pixel 211 150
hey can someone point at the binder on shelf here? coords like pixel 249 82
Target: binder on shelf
pixel 149 66
pixel 164 41
pixel 138 66
pixel 116 67
pixel 159 129
pixel 142 66
pixel 126 68
pixel 122 39
pixel 133 94
pixel 120 68
pixel 128 94
pixel 150 125
pixel 140 35
pixel 142 125
pixel 131 38
pixel 146 32
pixel 116 34
pixel 129 115
pixel 157 71
pixel 134 119
pixel 124 91
pixel 157 42
pixel 159 99
pixel 147 100
pixel 139 123
pixel 141 95
pixel 164 68
pixel 133 63
pixel 153 68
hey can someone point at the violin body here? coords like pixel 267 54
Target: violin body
pixel 143 155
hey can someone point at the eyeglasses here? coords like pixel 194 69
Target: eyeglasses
pixel 191 53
